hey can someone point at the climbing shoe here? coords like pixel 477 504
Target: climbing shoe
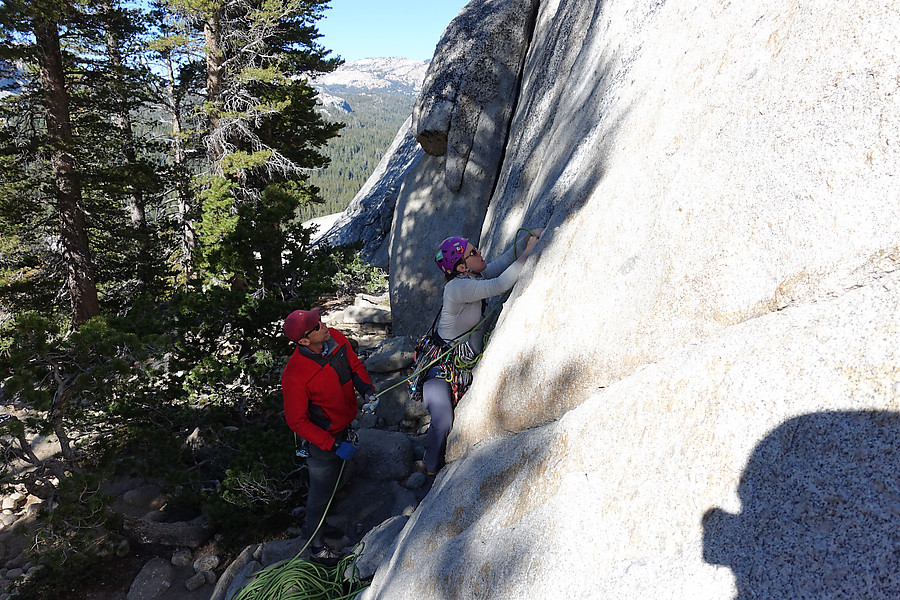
pixel 325 556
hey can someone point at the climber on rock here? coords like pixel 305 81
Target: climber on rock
pixel 470 280
pixel 319 405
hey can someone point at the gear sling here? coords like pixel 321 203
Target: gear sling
pixel 451 360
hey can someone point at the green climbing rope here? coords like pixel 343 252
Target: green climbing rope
pixel 302 579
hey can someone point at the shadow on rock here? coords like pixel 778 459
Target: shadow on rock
pixel 820 511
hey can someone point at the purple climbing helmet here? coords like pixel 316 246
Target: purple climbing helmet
pixel 449 253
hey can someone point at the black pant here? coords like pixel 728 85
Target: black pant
pixel 324 468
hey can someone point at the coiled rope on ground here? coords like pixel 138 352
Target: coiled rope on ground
pixel 302 579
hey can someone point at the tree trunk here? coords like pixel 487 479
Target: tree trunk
pixel 271 257
pixel 73 231
pixel 183 191
pixel 215 64
pixel 122 120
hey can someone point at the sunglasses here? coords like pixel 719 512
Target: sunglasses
pixel 316 328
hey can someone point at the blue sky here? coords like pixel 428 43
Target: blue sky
pixel 356 29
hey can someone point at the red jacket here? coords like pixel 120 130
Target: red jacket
pixel 319 400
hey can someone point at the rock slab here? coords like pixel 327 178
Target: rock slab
pixel 758 464
pixel 462 118
pixel 153 581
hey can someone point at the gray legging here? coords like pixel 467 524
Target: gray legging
pixel 324 468
pixel 436 395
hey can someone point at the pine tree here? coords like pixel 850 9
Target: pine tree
pixel 176 54
pixel 110 93
pixel 31 34
pixel 264 133
pixel 72 115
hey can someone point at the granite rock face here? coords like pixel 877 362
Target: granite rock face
pixel 760 462
pixel 693 390
pixel 461 120
pixel 696 166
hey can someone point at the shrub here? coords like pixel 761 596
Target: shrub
pixel 185 391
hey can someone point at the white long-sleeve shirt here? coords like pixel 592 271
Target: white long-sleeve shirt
pixel 463 295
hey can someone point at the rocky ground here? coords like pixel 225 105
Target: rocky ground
pixel 167 560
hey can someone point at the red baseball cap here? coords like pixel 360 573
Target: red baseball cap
pixel 299 322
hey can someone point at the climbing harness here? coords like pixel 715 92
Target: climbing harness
pixel 452 361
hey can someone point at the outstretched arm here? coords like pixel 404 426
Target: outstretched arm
pixel 462 291
pixel 515 253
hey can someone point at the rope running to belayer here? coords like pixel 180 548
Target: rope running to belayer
pixel 302 579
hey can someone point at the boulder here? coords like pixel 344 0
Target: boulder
pixel 394 403
pixel 191 534
pixel 235 575
pixel 242 577
pixel 469 83
pixel 182 557
pixel 376 544
pixel 368 502
pixel 147 496
pixel 277 551
pixel 195 582
pixel 365 314
pixel 394 354
pixel 154 580
pixel 207 562
pixel 405 500
pixel 384 455
pixel 13 502
pixel 415 481
pixel 16 557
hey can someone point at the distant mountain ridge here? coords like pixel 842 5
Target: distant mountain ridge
pixel 393 75
pixel 373 97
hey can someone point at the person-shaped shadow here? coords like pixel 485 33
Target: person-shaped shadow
pixel 820 511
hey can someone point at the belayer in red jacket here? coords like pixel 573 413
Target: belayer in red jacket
pixel 318 386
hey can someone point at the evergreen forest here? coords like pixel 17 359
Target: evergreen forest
pixel 368 131
pixel 156 161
